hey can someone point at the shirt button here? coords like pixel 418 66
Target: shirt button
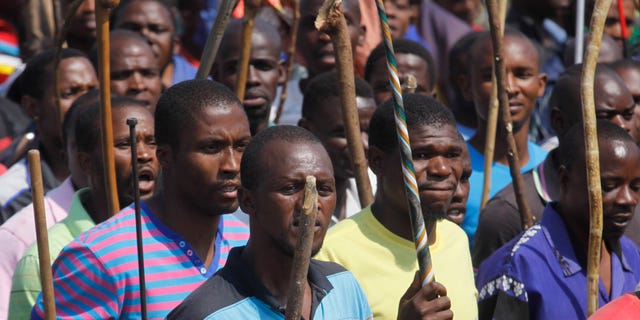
pixel 203 270
pixel 182 244
pixel 189 252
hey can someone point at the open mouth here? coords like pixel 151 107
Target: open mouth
pixel 146 181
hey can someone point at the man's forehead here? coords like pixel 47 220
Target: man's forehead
pixel 147 10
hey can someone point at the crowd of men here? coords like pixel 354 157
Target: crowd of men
pixel 221 178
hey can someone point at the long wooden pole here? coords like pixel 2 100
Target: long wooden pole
pixel 132 122
pixel 492 122
pixel 600 11
pixel 302 255
pixel 331 20
pixel 60 39
pixel 291 55
pixel 497 32
pixel 215 37
pixel 102 20
pixel 42 239
pixel 250 11
pixel 420 236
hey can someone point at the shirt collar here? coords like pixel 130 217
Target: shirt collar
pixel 239 273
pixel 557 235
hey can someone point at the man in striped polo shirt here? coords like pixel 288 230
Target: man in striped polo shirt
pixel 201 134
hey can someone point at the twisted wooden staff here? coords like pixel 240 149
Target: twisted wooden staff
pixel 600 11
pixel 331 20
pixel 291 51
pixel 497 32
pixel 250 11
pixel 102 21
pixel 132 122
pixel 37 192
pixel 302 255
pixel 410 184
pixel 215 37
pixel 492 122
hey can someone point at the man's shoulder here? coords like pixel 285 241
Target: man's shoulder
pixel 349 227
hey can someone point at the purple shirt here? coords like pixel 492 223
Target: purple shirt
pixel 19 232
pixel 537 275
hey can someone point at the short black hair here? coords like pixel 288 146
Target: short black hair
pixel 420 111
pixel 462 46
pixel 572 146
pixel 182 104
pixel 39 71
pixel 78 107
pixel 251 165
pixel 625 64
pixel 326 85
pixel 404 46
pixel 88 124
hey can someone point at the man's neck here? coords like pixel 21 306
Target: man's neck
pixel 198 228
pixel 96 205
pixel 55 160
pixel 392 219
pixel 273 268
pixel 520 135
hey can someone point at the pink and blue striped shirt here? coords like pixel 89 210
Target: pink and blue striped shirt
pixel 96 275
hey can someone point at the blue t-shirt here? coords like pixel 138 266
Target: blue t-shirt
pixel 500 178
pixel 537 275
pixel 182 69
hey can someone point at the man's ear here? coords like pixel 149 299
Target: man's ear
pixel 164 153
pixel 245 199
pixel 376 158
pixel 85 161
pixel 282 72
pixel 463 82
pixel 30 105
pixel 542 78
pixel 304 123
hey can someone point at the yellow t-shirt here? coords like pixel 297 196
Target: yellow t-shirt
pixel 384 264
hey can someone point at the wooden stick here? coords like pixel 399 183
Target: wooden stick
pixel 37 192
pixel 331 20
pixel 60 38
pixel 492 123
pixel 302 255
pixel 600 11
pixel 132 122
pixel 102 22
pixel 291 54
pixel 250 11
pixel 215 37
pixel 497 32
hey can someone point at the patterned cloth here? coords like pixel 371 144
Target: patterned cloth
pixel 96 276
pixel 537 275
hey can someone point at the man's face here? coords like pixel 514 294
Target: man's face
pixel 276 203
pixel 437 160
pixel 400 13
pixel 620 182
pixel 328 126
pixel 612 24
pixel 206 165
pixel 631 77
pixel 266 72
pixel 525 83
pixel 148 166
pixel 458 207
pixel 466 10
pixel 83 24
pixel 614 102
pixel 407 64
pixel 77 76
pixel 314 46
pixel 134 72
pixel 154 22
